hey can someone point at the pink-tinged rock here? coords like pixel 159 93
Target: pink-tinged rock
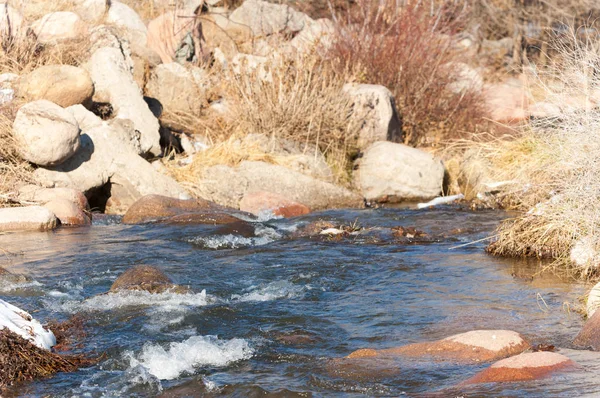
pixel 30 218
pixel 68 212
pixel 474 346
pixel 524 367
pixel 508 101
pixel 33 193
pixel 589 336
pixel 261 202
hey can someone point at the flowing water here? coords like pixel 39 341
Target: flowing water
pixel 268 313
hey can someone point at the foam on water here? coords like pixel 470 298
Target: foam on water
pixel 271 291
pixel 167 363
pixel 265 235
pixel 8 287
pixel 167 301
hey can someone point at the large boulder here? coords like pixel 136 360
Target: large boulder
pixel 146 278
pixel 474 346
pixel 58 26
pixel 30 218
pixel 125 18
pixel 375 113
pixel 108 150
pixel 179 89
pixel 265 18
pixel 260 203
pixel 113 80
pixel 64 85
pixel 91 10
pixel 396 172
pixel 47 134
pixel 68 213
pixel 227 186
pixel 156 208
pixel 524 367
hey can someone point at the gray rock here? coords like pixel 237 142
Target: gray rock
pixel 109 152
pixel 47 134
pixel 114 83
pixel 30 218
pixel 227 186
pixel 375 113
pixel 58 26
pixel 396 172
pixel 265 18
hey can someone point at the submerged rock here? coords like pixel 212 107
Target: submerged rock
pixel 156 208
pixel 30 218
pixel 146 278
pixel 474 346
pixel 262 202
pixel 523 367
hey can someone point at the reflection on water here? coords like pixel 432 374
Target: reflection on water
pixel 269 313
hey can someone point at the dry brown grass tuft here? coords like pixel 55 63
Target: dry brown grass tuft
pixel 300 100
pixel 23 54
pixel 411 51
pixel 554 168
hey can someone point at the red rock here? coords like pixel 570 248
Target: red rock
pixel 474 346
pixel 156 208
pixel 259 202
pixel 523 367
pixel 589 336
pixel 146 278
pixel 68 212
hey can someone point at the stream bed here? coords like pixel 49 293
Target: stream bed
pixel 268 313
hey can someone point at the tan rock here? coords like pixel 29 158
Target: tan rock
pixel 64 85
pixel 58 26
pixel 146 278
pixel 507 101
pixel 524 367
pixel 30 218
pixel 396 172
pixel 68 213
pixel 262 202
pixel 266 18
pixel 11 22
pixel 474 346
pixel 47 134
pixel 33 193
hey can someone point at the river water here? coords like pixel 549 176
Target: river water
pixel 270 312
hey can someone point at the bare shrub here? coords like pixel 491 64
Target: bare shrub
pixel 411 51
pixel 14 170
pixel 300 100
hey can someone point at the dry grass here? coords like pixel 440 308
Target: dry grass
pixel 299 100
pixel 555 170
pixel 411 50
pixel 23 54
pixel 13 169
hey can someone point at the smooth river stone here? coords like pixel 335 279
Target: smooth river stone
pixel 474 346
pixel 523 367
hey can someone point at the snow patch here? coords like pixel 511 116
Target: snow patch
pixel 23 324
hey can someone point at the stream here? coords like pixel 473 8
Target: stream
pixel 268 313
